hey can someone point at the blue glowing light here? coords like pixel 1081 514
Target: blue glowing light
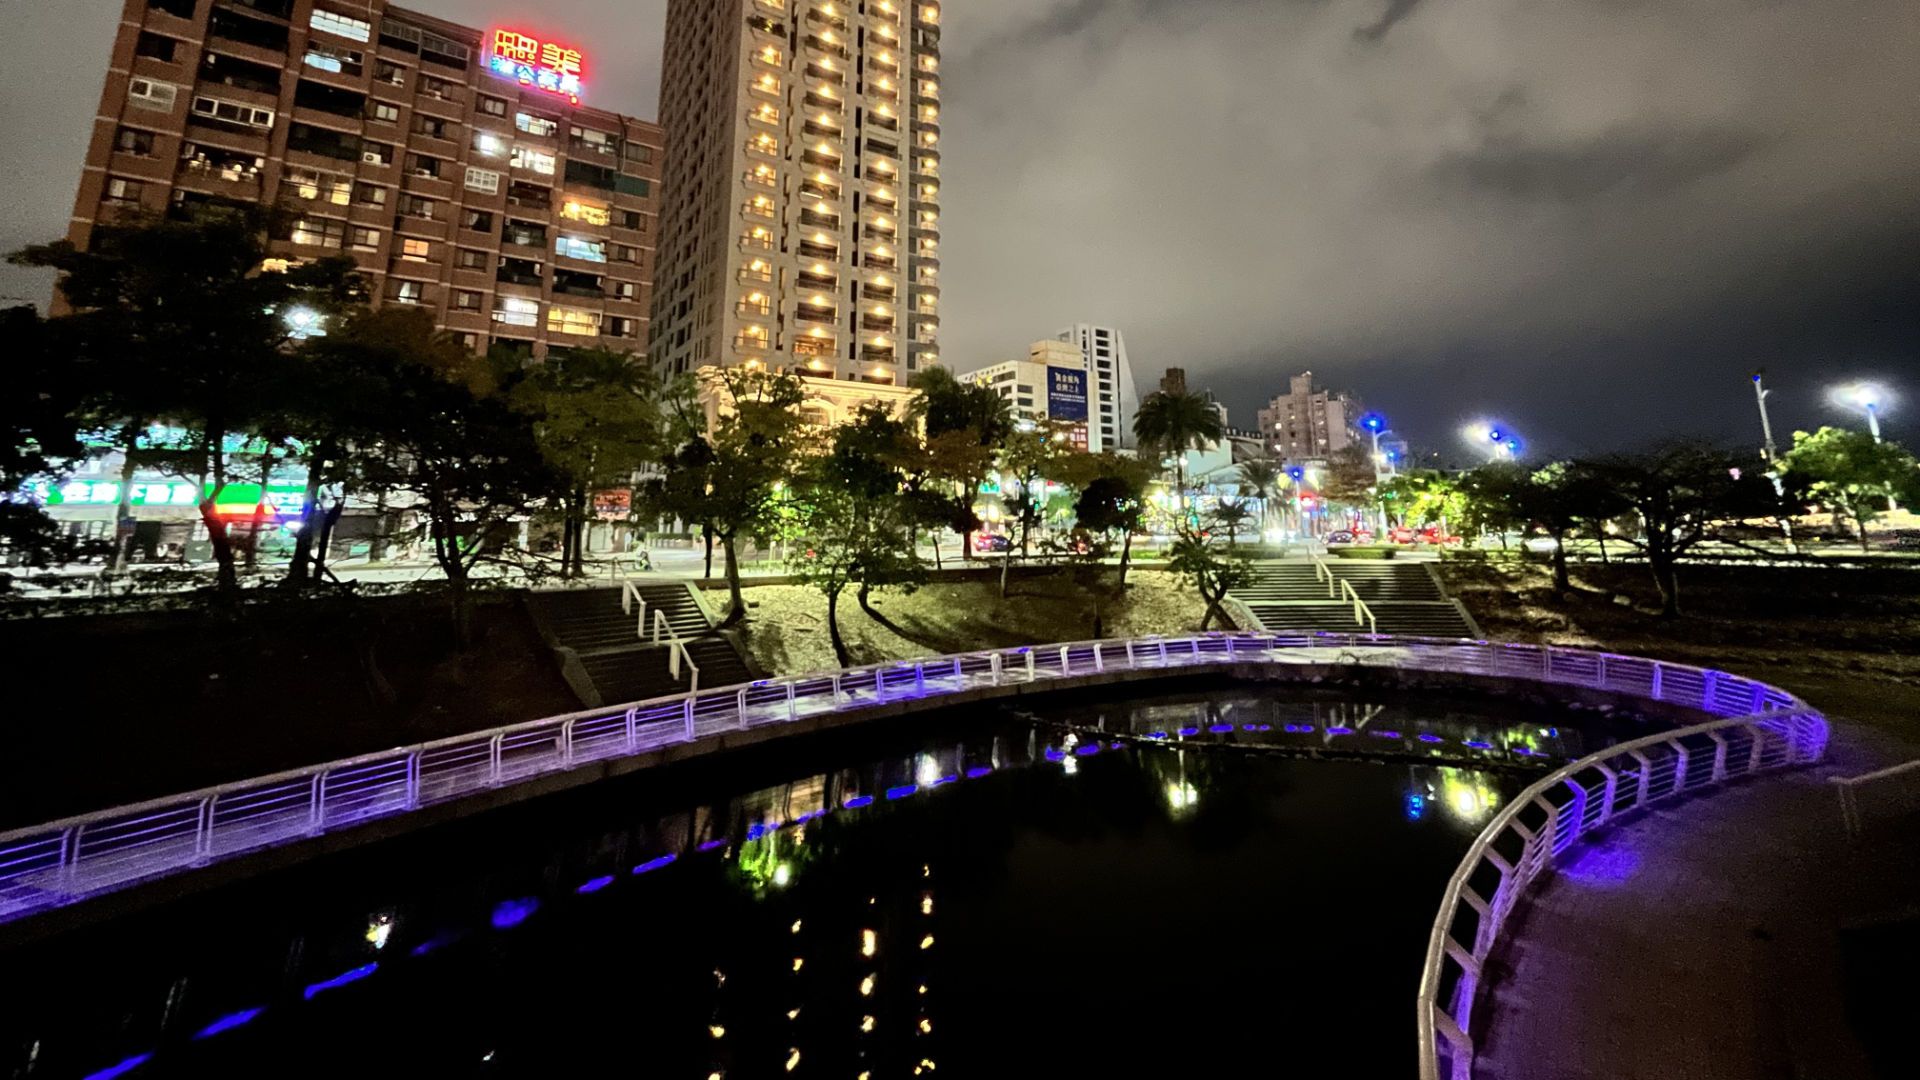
pixel 434 942
pixel 1220 729
pixel 1339 731
pixel 1495 435
pixel 1416 807
pixel 1189 731
pixel 1264 727
pixel 1525 751
pixel 1156 734
pixel 655 864
pixel 1374 422
pixel 756 831
pixel 1479 744
pixel 1513 445
pixel 229 1022
pixel 595 885
pixel 1428 736
pixel 1055 755
pixel 943 780
pixel 508 914
pixel 902 791
pixel 1385 734
pixel 709 845
pixel 978 771
pixel 121 1069
pixel 1088 750
pixel 1299 729
pixel 858 801
pixel 340 980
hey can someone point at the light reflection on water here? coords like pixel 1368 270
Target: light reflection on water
pixel 886 916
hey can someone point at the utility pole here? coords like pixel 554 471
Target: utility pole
pixel 1770 453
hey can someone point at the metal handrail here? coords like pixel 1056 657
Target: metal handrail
pixel 1849 789
pixel 630 598
pixel 1595 791
pixel 59 863
pixel 1323 572
pixel 1362 613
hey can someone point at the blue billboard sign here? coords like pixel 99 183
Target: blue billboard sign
pixel 1066 394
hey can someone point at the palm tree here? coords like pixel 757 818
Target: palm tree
pixel 1175 423
pixel 1261 478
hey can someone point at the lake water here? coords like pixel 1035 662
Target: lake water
pixel 1221 883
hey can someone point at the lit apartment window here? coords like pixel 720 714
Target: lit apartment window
pixel 415 206
pixel 319 232
pixel 343 25
pixel 369 195
pixel 492 106
pixel 365 239
pixel 625 290
pixel 466 300
pixel 485 181
pixel 516 311
pixel 535 125
pixel 488 144
pixel 579 247
pixel 565 320
pixel 383 112
pixel 574 210
pixel 530 157
pixel 319 187
pixel 469 259
pixel 228 112
pixel 415 250
pixel 125 192
pixel 408 292
pixel 133 141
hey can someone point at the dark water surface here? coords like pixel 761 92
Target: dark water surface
pixel 1085 893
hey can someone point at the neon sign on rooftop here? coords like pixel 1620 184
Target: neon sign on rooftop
pixel 532 62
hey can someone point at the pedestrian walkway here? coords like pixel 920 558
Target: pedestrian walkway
pixel 1703 941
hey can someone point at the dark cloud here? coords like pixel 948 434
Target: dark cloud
pixel 1591 217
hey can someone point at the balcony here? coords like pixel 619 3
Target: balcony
pixel 813 343
pixel 815 218
pixel 814 313
pixel 767 86
pixel 819 190
pixel 883 122
pixel 815 127
pixel 765 146
pixel 812 249
pixel 751 242
pixel 926 89
pixel 755 304
pixel 883 293
pixel 750 342
pixel 815 99
pixel 750 276
pixel 925 166
pixel 820 160
pixel 829 75
pixel 761 24
pixel 884 61
pixel 509 276
pixel 822 282
pixel 882 323
pixel 877 354
pixel 760 208
pixel 883 202
pixel 832 47
pixel 757 178
pixel 928 14
pixel 821 18
pixel 880 262
pixel 769 57
pixel 765 115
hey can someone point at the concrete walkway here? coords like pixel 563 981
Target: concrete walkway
pixel 1703 941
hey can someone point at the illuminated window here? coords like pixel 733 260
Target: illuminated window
pixel 320 187
pixel 492 106
pixel 530 157
pixel 318 232
pixel 343 25
pixel 365 239
pixel 369 195
pixel 535 125
pixel 383 112
pixel 466 300
pixel 483 180
pixel 516 311
pixel 126 192
pixel 575 210
pixel 407 292
pixel 565 320
pixel 415 250
pixel 579 247
pixel 488 144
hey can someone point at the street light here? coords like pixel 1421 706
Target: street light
pixel 1376 426
pixel 1498 441
pixel 1868 397
pixel 304 322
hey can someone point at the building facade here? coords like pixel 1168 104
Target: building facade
pixel 1051 384
pixel 801 227
pixel 455 165
pixel 1115 396
pixel 1308 422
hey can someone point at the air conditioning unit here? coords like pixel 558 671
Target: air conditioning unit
pixel 371 158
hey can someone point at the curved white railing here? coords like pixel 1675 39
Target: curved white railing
pixel 1529 835
pixel 59 863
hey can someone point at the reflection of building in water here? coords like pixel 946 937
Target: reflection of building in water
pixel 1464 795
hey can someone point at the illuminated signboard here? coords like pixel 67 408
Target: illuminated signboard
pixel 1066 393
pixel 283 500
pixel 532 62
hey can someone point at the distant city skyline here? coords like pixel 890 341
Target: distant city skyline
pixel 1588 227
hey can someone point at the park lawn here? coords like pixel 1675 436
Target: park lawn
pixel 787 628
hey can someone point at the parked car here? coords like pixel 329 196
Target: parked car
pixel 1340 536
pixel 1400 534
pixel 991 542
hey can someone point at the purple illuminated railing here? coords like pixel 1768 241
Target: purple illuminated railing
pixel 1531 834
pixel 59 863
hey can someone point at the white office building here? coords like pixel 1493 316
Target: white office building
pixel 1050 384
pixel 1114 397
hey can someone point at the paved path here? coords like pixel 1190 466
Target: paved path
pixel 1702 941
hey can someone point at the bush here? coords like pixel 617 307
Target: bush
pixel 1376 551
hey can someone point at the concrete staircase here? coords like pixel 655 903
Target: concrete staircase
pixel 1405 598
pixel 605 659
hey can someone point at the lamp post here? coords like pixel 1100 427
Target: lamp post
pixel 1771 453
pixel 1376 426
pixel 1865 396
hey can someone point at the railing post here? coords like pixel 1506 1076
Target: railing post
pixel 1756 754
pixel 1659 670
pixel 1229 647
pixel 919 677
pixel 566 743
pixel 1600 673
pixel 1719 755
pixel 493 759
pixel 1099 661
pixel 1030 675
pixel 879 683
pixel 1759 698
pixel 792 713
pixel 203 830
pixel 1680 756
pixel 1130 663
pixel 1606 800
pixel 1710 691
pixel 686 706
pixel 740 707
pixel 1066 661
pixel 994 667
pixel 317 802
pixel 1163 651
pixel 69 856
pixel 839 695
pixel 633 730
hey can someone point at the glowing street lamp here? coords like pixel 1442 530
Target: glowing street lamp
pixel 1868 397
pixel 304 322
pixel 1498 441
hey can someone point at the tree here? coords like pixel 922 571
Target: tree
pixel 728 471
pixel 38 423
pixel 1113 497
pixel 850 517
pixel 1171 424
pixel 965 425
pixel 1850 473
pixel 1214 571
pixel 1682 492
pixel 1560 499
pixel 1495 498
pixel 1262 478
pixel 1027 459
pixel 1351 481
pixel 1426 497
pixel 595 423
pixel 184 327
pixel 1231 515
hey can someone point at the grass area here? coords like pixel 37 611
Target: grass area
pixel 1847 640
pixel 787 632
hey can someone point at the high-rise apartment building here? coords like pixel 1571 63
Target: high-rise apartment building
pixel 1115 397
pixel 1050 384
pixel 455 165
pixel 801 227
pixel 1307 422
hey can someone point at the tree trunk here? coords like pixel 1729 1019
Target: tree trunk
pixel 706 534
pixel 1668 582
pixel 863 595
pixel 299 571
pixel 1006 564
pixel 736 602
pixel 1560 581
pixel 1860 523
pixel 581 504
pixel 1126 556
pixel 226 581
pixel 122 534
pixel 840 654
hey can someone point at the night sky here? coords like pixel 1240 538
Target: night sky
pixel 1590 219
